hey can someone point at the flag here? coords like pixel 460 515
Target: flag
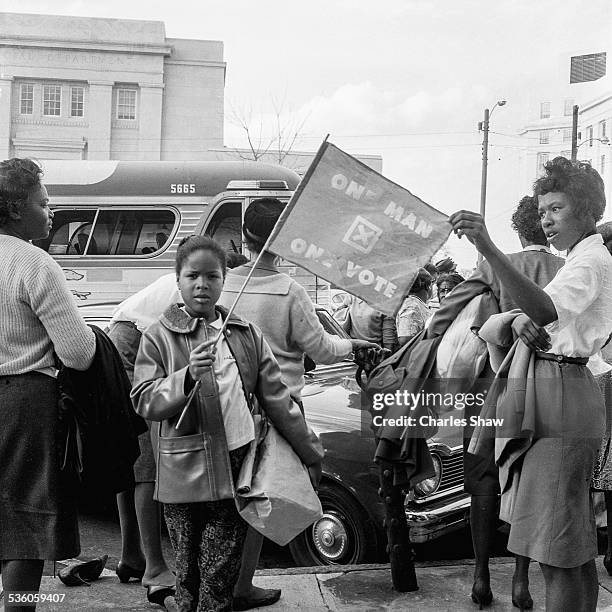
pixel 360 231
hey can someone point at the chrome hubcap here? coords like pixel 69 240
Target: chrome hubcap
pixel 330 536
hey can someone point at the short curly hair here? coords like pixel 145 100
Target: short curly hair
pixel 193 243
pixel 579 180
pixel 526 221
pixel 18 178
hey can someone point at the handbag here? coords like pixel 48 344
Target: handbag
pixel 274 494
pixel 188 467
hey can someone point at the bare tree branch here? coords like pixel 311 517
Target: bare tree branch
pixel 285 131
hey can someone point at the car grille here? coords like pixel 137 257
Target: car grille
pixel 452 472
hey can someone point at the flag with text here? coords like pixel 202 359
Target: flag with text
pixel 360 231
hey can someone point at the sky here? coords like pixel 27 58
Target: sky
pixel 404 79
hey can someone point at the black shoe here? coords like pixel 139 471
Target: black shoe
pixel 157 594
pixel 125 572
pixel 267 598
pixel 82 572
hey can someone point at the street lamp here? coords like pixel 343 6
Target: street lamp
pixel 484 126
pixel 605 140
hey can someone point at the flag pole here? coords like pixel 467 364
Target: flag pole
pixel 279 223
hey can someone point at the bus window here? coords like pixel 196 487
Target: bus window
pixel 155 228
pixel 226 226
pixel 115 232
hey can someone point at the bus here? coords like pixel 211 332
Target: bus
pixel 117 224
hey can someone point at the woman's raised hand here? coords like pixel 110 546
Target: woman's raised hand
pixel 472 226
pixel 202 357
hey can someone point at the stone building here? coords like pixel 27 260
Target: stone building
pixel 96 89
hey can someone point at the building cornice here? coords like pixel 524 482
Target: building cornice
pixel 81 45
pixel 559 123
pixel 77 144
pixel 196 63
pixel 596 102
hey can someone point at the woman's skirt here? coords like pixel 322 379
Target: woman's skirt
pixel 552 519
pixel 602 473
pixel 38 515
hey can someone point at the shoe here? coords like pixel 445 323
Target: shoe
pixel 156 594
pixel 269 597
pixel 482 594
pixel 82 572
pixel 521 598
pixel 607 562
pixel 125 572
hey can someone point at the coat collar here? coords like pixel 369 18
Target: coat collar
pixel 177 320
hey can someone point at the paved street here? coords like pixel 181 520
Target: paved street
pixel 100 535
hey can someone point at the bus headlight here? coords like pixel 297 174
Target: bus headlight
pixel 430 485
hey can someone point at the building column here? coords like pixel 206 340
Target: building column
pixel 6 96
pixel 150 120
pixel 100 114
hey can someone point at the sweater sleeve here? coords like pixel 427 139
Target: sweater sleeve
pixel 308 333
pixel 48 295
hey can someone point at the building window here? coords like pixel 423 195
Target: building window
pixel 26 99
pixel 602 130
pixel 544 136
pixel 542 159
pixel 76 101
pixel 52 100
pixel 585 68
pixel 567 134
pixel 544 110
pixel 602 165
pixel 126 104
pixel 589 132
pixel 568 107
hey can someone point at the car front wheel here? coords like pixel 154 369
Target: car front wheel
pixel 343 535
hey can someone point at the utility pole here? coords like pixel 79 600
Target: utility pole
pixel 484 126
pixel 574 132
pixel 485 160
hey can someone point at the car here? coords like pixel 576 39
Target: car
pixel 351 528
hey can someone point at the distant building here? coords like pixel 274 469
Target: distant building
pixel 84 88
pixel 584 79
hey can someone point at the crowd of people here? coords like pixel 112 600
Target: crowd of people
pixel 555 310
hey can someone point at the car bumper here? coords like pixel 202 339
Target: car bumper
pixel 433 520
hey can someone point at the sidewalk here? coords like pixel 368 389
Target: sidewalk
pixel 444 586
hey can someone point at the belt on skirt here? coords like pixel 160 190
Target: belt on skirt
pixel 561 358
